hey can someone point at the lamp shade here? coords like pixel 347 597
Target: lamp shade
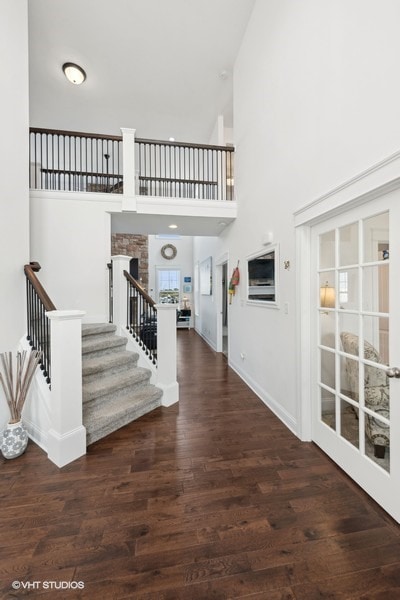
pixel 327 296
pixel 74 73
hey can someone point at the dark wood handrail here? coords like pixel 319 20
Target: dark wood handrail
pixel 118 138
pixel 184 145
pixel 96 136
pixel 139 288
pixel 172 180
pixel 82 173
pixel 30 270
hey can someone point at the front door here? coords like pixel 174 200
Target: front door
pixel 356 292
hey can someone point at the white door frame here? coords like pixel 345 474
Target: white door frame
pixel 221 260
pixel 374 184
pixel 376 181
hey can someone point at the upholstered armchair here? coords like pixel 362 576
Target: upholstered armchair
pixel 376 390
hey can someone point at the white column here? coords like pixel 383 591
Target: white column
pixel 128 168
pixel 67 435
pixel 120 302
pixel 166 353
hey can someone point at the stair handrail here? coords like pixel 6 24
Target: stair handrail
pixel 38 324
pixel 141 318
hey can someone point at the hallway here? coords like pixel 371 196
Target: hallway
pixel 211 498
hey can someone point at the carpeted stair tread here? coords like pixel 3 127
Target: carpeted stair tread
pixel 98 328
pixel 115 390
pixel 102 343
pixel 105 386
pixel 98 365
pixel 107 418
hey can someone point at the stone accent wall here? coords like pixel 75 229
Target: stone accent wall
pixel 135 246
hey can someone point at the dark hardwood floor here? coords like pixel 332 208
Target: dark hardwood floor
pixel 211 499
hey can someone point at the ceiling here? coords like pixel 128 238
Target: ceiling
pixel 162 67
pixel 159 224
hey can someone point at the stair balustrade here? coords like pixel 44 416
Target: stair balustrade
pixel 38 324
pixel 149 327
pixel 110 292
pixel 54 416
pixel 141 317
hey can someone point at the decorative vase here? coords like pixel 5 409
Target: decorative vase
pixel 15 440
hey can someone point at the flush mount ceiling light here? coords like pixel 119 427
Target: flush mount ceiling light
pixel 74 73
pixel 173 226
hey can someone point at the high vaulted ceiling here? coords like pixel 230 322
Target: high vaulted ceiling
pixel 163 67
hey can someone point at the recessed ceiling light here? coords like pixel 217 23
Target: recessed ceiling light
pixel 171 139
pixel 173 226
pixel 74 73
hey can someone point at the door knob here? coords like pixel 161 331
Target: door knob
pixel 393 372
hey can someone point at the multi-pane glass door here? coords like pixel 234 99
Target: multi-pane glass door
pixel 352 418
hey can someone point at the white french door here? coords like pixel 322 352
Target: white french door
pixel 356 345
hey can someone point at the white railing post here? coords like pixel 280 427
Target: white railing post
pixel 166 353
pixel 120 263
pixel 128 169
pixel 67 436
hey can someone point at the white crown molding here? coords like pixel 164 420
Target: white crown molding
pixel 381 177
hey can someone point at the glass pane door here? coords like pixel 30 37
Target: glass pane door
pixel 356 348
pixel 353 316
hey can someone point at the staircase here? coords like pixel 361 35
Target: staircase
pixel 115 390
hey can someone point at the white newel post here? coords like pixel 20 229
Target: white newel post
pixel 67 435
pixel 120 264
pixel 166 353
pixel 128 168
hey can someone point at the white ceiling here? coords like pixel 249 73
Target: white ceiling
pixel 159 224
pixel 153 65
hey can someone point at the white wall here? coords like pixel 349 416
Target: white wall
pixel 74 250
pixel 14 198
pixel 316 98
pixel 207 309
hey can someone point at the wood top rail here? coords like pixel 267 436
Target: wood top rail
pixel 83 173
pixel 118 138
pixel 96 136
pixel 172 180
pixel 139 288
pixel 184 145
pixel 30 270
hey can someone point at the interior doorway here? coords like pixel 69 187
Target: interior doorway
pixel 225 309
pixel 355 351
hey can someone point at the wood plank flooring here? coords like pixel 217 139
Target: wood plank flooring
pixel 211 499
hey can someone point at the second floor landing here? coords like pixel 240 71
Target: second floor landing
pixel 152 184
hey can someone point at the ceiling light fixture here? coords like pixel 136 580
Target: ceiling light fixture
pixel 173 226
pixel 74 73
pixel 171 139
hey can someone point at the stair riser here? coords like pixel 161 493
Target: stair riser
pixel 113 394
pixel 103 329
pixel 104 373
pixel 96 434
pixel 88 353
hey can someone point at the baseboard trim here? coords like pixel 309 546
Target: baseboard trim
pixel 272 404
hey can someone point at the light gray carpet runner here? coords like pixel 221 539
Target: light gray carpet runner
pixel 115 390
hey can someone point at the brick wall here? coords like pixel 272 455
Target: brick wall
pixel 135 246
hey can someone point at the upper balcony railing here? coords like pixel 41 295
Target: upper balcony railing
pixel 87 162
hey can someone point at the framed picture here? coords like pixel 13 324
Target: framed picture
pixel 187 280
pixel 187 288
pixel 206 277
